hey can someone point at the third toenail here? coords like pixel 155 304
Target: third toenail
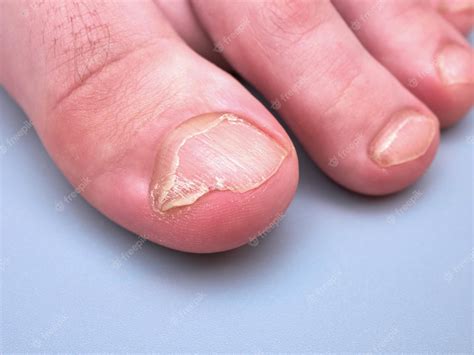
pixel 456 6
pixel 406 137
pixel 212 152
pixel 455 64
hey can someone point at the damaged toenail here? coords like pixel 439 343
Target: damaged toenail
pixel 406 137
pixel 212 152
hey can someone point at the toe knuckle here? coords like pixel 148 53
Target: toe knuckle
pixel 284 22
pixel 79 39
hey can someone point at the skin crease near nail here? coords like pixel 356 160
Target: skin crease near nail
pixel 406 137
pixel 455 65
pixel 212 152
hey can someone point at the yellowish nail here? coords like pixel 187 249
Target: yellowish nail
pixel 456 6
pixel 212 152
pixel 455 64
pixel 406 137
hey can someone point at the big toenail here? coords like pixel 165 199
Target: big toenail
pixel 212 152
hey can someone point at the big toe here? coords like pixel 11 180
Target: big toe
pixel 173 148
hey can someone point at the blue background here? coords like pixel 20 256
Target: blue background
pixel 342 272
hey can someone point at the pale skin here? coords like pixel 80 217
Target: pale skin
pixel 365 86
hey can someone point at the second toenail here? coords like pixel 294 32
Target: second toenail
pixel 455 64
pixel 406 137
pixel 212 152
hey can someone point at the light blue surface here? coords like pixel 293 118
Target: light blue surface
pixel 341 273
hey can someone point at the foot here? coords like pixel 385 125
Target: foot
pixel 179 152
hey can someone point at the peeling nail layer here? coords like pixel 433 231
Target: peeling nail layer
pixel 212 152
